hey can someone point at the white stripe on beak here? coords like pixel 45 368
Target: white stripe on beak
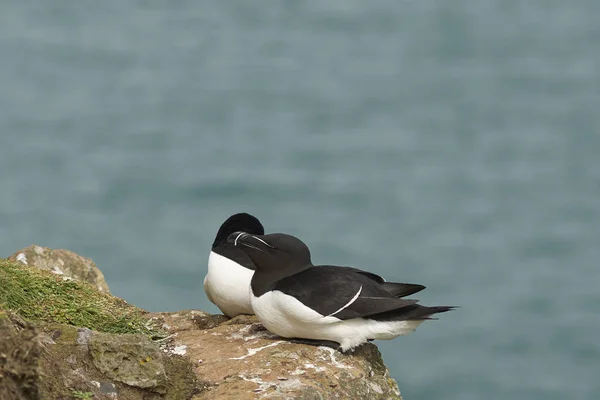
pixel 236 239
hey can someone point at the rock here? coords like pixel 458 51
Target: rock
pixel 110 366
pixel 123 352
pixel 19 354
pixel 62 262
pixel 65 367
pixel 240 359
pixel 186 320
pixel 131 359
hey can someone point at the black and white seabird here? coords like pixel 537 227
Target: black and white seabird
pixel 227 282
pixel 295 299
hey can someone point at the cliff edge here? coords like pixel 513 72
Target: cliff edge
pixel 63 336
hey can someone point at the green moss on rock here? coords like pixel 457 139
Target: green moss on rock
pixel 39 295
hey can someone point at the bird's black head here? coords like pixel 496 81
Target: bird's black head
pixel 241 222
pixel 271 252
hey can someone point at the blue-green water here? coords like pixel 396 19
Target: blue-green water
pixel 450 143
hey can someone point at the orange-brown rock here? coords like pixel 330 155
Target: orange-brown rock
pixel 239 359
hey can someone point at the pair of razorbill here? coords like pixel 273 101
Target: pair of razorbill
pixel 273 277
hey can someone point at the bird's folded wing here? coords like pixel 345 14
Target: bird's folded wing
pixel 342 294
pixel 398 289
pixel 371 275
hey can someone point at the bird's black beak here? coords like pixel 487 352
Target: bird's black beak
pixel 247 240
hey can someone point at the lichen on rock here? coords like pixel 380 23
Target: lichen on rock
pixel 131 359
pixel 239 358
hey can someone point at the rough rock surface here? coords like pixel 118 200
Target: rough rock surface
pixel 176 355
pixel 114 359
pixel 61 362
pixel 239 359
pixel 62 262
pixel 19 354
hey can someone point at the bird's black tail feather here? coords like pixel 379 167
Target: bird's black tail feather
pixel 426 312
pixel 411 313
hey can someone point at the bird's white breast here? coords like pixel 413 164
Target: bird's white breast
pixel 286 316
pixel 227 285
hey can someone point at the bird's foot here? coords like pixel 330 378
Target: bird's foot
pixel 316 342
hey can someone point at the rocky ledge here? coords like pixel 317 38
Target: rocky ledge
pixel 62 336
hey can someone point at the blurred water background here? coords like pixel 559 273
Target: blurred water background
pixel 450 143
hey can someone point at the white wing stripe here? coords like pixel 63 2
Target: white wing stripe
pixel 348 303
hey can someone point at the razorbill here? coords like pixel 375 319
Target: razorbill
pixel 295 299
pixel 227 282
